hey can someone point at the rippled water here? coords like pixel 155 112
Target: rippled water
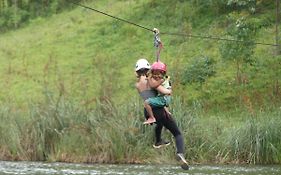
pixel 40 168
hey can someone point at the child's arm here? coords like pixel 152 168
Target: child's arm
pixel 163 90
pixel 153 83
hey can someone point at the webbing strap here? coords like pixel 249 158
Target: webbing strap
pixel 157 43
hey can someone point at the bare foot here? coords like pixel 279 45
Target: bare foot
pixel 149 121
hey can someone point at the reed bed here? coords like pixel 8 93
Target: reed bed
pixel 62 130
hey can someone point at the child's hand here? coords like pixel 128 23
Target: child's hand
pixel 167 110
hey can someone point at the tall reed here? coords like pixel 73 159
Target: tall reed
pixel 64 130
pixel 220 138
pixel 256 140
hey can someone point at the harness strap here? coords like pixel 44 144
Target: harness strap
pixel 157 43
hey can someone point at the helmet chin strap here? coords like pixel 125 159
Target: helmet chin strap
pixel 157 43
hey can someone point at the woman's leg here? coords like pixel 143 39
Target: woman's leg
pixel 166 120
pixel 158 132
pixel 171 125
pixel 158 127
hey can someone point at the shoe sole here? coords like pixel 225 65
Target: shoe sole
pixel 149 123
pixel 154 146
pixel 184 165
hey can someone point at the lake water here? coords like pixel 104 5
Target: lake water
pixel 39 168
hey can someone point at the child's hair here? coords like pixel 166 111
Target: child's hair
pixel 159 76
pixel 142 72
pixel 158 71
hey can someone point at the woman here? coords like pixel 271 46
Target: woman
pixel 163 118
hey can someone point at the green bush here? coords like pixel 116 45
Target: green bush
pixel 198 71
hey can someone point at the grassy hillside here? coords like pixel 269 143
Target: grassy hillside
pixel 67 91
pixel 85 56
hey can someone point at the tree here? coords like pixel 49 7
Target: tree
pixel 198 71
pixel 241 51
pixel 14 13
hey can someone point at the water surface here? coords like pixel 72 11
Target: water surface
pixel 39 168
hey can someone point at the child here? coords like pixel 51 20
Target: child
pixel 160 82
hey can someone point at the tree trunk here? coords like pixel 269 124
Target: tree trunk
pixel 1 6
pixel 238 74
pixel 276 28
pixel 9 3
pixel 16 14
pixel 20 4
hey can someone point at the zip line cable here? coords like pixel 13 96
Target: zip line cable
pixel 215 38
pixel 112 16
pixel 168 33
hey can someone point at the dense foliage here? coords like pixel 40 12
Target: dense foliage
pixel 15 13
pixel 198 70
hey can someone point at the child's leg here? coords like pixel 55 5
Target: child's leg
pixel 148 108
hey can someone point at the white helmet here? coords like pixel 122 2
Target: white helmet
pixel 142 64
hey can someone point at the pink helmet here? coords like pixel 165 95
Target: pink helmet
pixel 159 66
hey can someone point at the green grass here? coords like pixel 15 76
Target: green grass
pixel 67 91
pixel 79 52
pixel 61 130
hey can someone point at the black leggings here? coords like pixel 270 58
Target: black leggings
pixel 163 119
